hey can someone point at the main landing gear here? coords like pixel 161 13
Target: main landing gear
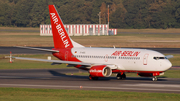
pixel 121 76
pixel 93 78
pixel 154 78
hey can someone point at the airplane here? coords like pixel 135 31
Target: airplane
pixel 101 62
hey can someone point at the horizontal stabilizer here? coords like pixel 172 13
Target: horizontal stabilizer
pixel 40 49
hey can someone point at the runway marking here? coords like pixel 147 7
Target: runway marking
pixel 156 41
pixel 153 85
pixel 89 87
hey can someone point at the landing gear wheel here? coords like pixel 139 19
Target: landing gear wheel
pixel 154 78
pixel 121 76
pixel 92 78
pixel 118 76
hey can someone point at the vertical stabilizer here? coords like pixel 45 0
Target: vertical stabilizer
pixel 60 36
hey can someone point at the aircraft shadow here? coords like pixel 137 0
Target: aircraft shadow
pixel 144 78
pixel 58 74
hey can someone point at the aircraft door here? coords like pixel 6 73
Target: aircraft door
pixel 145 59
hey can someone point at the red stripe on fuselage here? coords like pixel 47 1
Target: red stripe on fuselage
pixel 134 71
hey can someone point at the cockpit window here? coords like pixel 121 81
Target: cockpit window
pixel 157 58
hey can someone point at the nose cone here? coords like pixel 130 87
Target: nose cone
pixel 167 64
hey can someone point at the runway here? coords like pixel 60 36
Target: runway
pixel 56 79
pixel 15 50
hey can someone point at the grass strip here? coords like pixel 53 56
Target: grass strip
pixel 171 40
pixel 28 94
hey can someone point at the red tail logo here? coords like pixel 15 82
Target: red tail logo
pixel 60 36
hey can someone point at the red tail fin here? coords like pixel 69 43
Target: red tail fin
pixel 60 36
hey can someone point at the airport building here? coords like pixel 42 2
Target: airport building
pixel 80 29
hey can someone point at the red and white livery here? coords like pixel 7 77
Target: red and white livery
pixel 102 62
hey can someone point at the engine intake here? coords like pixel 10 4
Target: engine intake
pixel 100 71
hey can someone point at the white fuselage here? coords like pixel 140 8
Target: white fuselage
pixel 124 58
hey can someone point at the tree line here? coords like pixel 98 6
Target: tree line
pixel 123 13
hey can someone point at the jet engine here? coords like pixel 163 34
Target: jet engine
pixel 100 71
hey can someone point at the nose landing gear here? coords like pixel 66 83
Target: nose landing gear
pixel 93 78
pixel 154 78
pixel 121 76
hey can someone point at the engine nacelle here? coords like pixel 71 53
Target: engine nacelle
pixel 100 71
pixel 149 74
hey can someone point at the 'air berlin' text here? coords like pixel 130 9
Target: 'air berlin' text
pixel 60 30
